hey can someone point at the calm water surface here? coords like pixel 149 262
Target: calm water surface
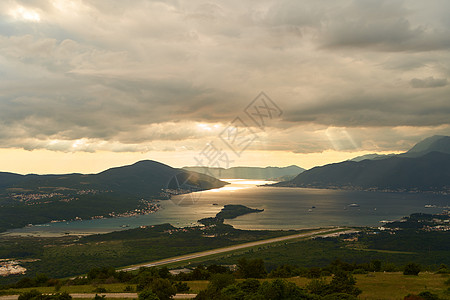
pixel 284 208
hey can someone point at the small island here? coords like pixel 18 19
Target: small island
pixel 229 211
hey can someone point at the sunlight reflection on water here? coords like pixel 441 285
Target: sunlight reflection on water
pixel 284 208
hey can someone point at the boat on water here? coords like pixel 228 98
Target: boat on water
pixel 430 206
pixel 125 226
pixel 354 205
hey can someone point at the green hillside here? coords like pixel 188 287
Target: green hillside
pixel 36 199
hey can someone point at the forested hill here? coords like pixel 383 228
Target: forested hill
pixel 35 199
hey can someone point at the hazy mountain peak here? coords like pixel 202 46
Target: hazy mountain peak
pixel 437 143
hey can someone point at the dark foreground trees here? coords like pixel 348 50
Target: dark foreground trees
pixel 342 286
pixel 277 289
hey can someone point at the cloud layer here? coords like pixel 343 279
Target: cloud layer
pixel 145 75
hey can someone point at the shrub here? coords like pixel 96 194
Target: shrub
pixel 422 296
pixel 220 281
pixel 148 295
pixel 100 290
pixel 129 288
pixel 163 288
pixel 411 269
pixel 182 287
pixel 428 296
pixel 33 294
pixel 251 268
pixel 359 271
pixel 443 269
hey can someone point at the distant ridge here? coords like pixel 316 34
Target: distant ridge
pixel 267 173
pixel 426 167
pixel 438 143
pixel 373 156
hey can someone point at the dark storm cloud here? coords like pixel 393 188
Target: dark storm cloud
pixel 385 26
pixel 371 109
pixel 110 75
pixel 429 82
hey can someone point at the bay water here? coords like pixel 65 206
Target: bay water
pixel 284 208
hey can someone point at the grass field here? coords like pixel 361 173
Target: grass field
pixel 397 285
pixel 390 286
pixel 375 286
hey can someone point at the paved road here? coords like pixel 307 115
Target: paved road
pixel 108 295
pixel 227 249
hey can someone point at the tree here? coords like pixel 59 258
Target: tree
pixel 25 283
pixel 314 273
pixel 163 288
pixel 277 289
pixel 411 269
pixel 251 268
pixel 164 272
pixel 283 271
pixel 343 282
pixel 41 279
pixel 200 273
pixel 101 273
pixel 147 295
pixel 318 287
pixel 282 290
pixel 376 265
pixel 220 281
pixel 182 287
pixel 233 292
pixel 214 269
pixel 250 286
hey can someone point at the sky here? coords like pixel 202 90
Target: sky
pixel 87 85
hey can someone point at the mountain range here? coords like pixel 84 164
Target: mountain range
pixel 425 167
pixel 267 173
pixel 35 198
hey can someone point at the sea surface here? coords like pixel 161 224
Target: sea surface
pixel 284 208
